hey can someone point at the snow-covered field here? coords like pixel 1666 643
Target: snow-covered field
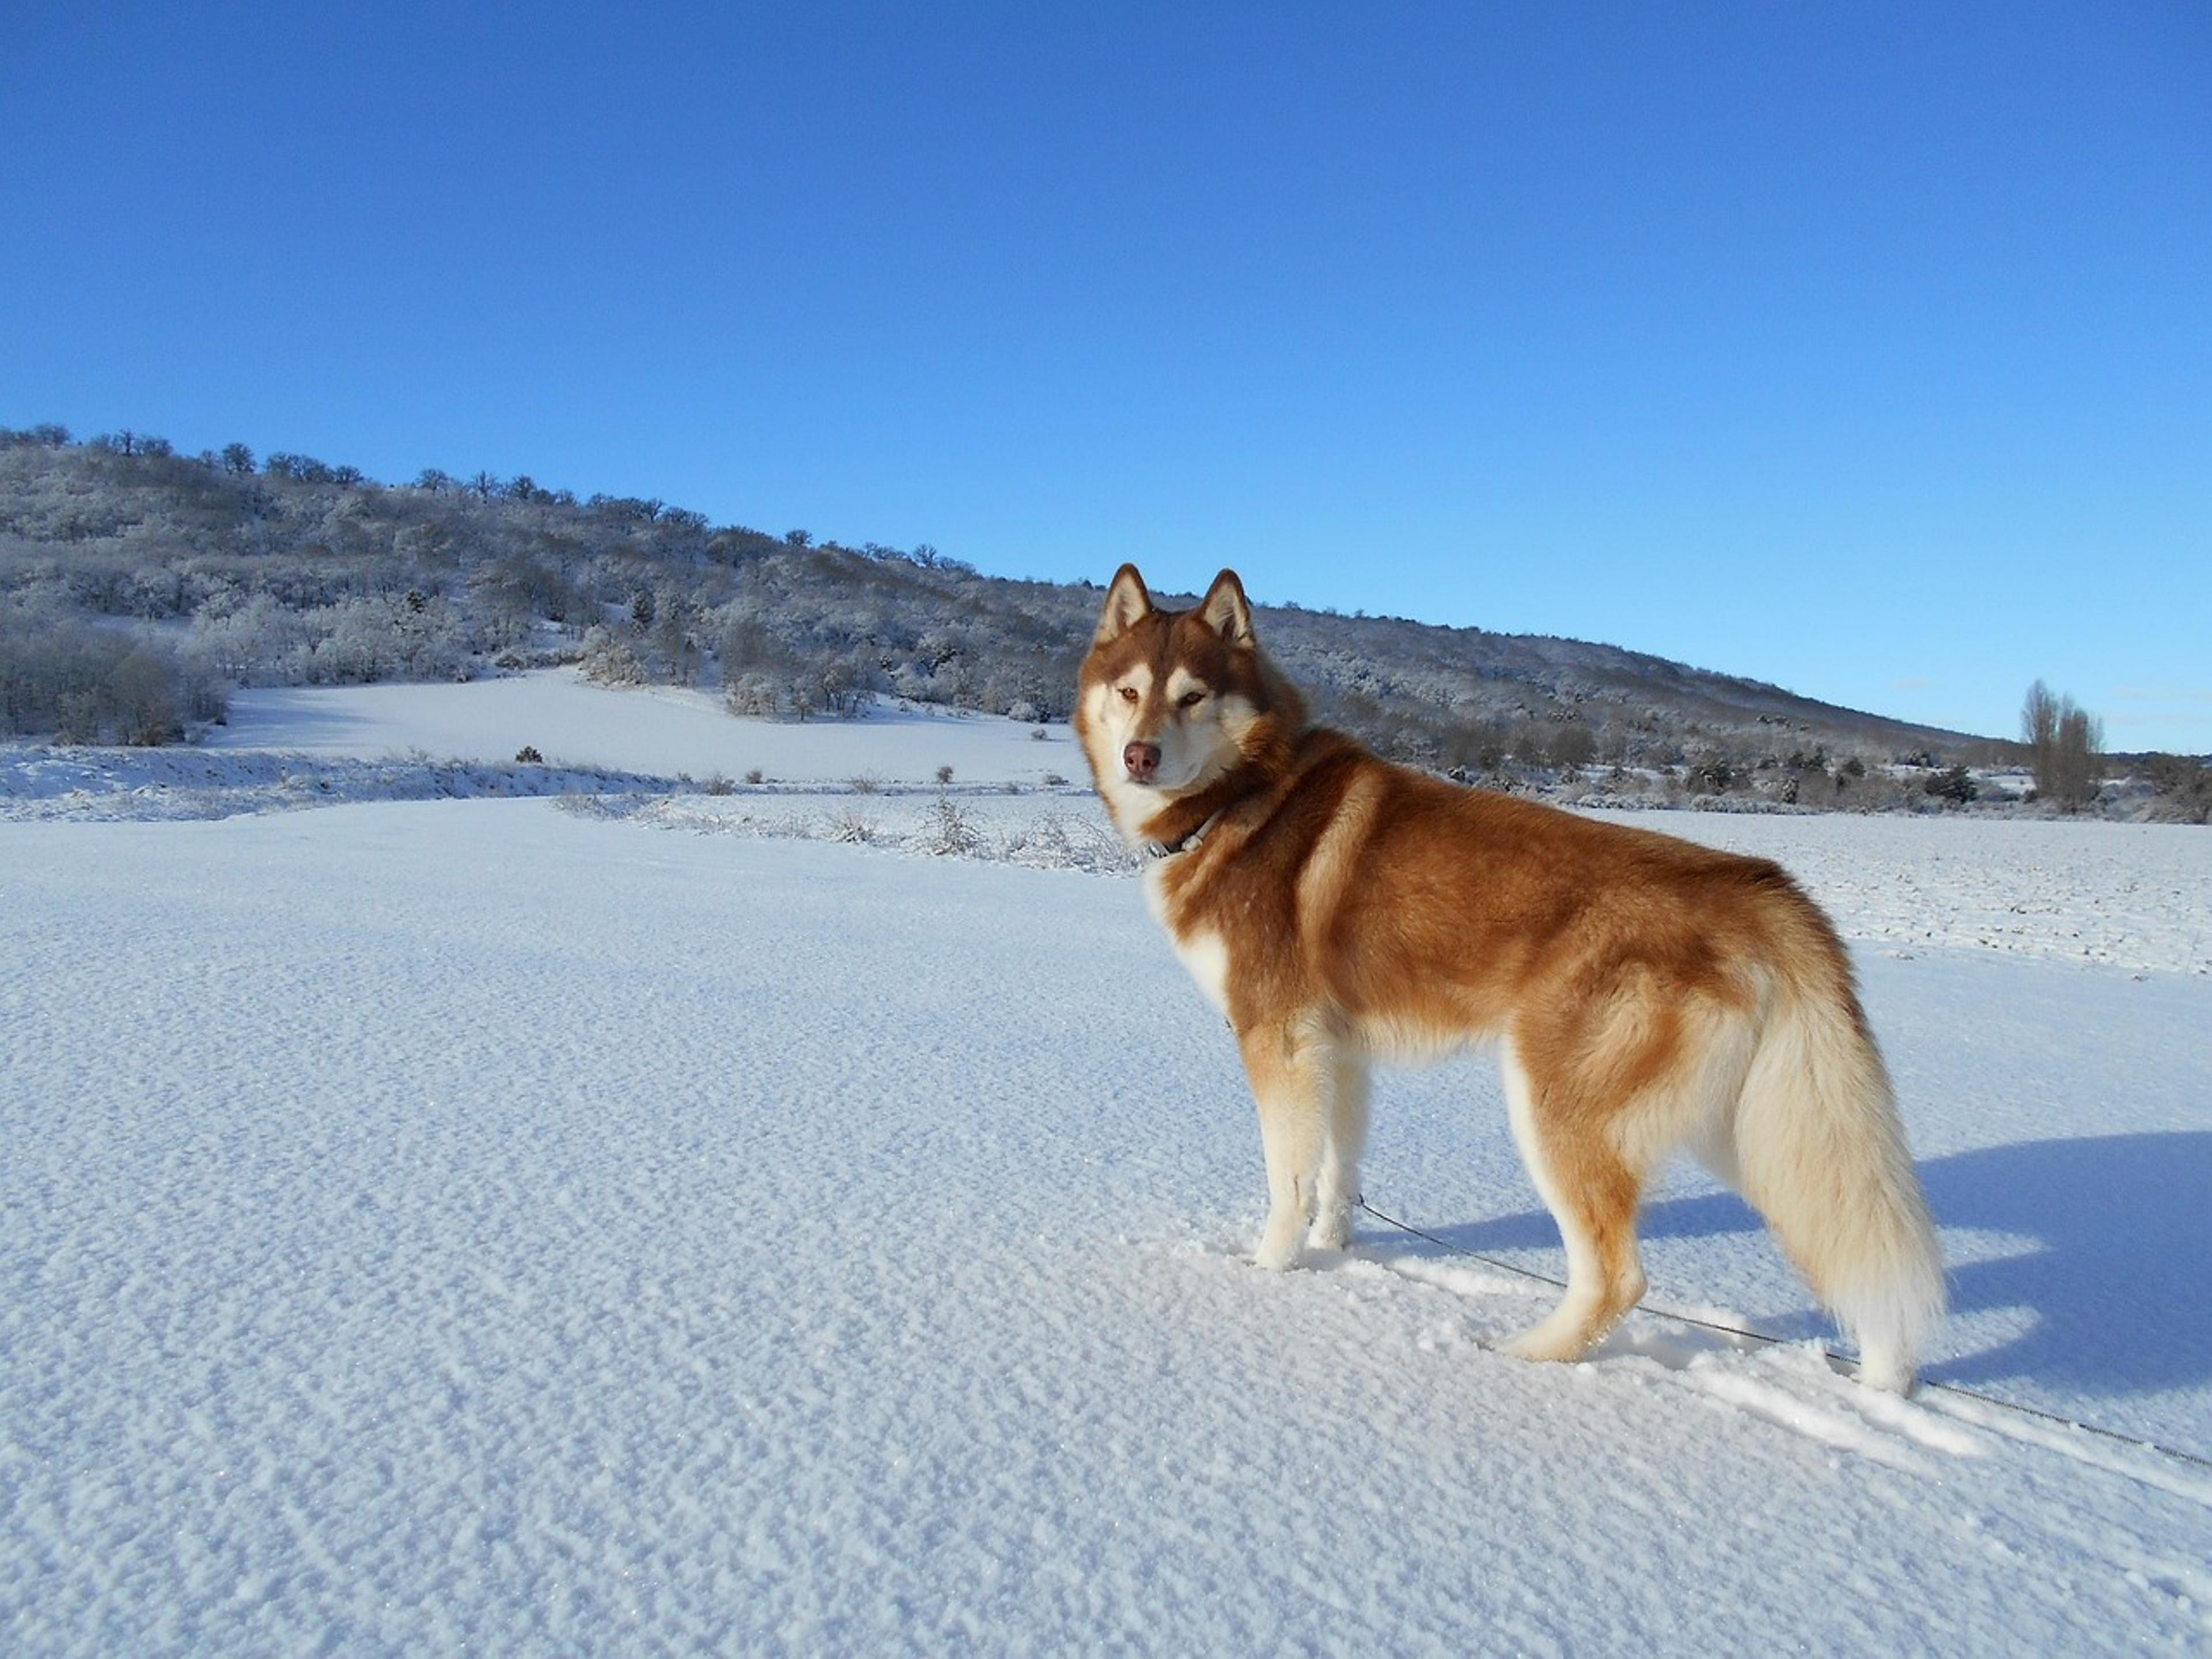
pixel 658 729
pixel 638 1222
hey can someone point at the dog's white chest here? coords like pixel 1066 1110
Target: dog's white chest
pixel 1206 960
pixel 1204 955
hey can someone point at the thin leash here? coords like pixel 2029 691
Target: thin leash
pixel 1837 1361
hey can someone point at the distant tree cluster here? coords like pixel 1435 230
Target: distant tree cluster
pixel 83 683
pixel 2181 787
pixel 2064 744
pixel 127 442
pixel 305 468
pixel 45 436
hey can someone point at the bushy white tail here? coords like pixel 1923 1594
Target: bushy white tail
pixel 1820 1152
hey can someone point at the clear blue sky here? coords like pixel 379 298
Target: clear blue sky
pixel 1863 348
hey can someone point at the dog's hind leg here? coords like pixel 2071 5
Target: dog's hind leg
pixel 1592 1195
pixel 1290 1071
pixel 1344 1136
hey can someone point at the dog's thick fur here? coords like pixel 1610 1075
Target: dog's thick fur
pixel 1647 994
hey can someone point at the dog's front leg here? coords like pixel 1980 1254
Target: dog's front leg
pixel 1290 1076
pixel 1344 1136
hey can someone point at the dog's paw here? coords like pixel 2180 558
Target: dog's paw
pixel 1885 1368
pixel 1331 1231
pixel 1278 1251
pixel 1551 1342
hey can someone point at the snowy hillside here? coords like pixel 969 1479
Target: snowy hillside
pixel 304 573
pixel 637 1222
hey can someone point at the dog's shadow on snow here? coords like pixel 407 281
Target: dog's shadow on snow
pixel 2112 1237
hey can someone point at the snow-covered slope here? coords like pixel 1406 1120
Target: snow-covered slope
pixel 478 1224
pixel 656 729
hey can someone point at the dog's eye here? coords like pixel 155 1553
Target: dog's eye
pixel 1128 693
pixel 1191 699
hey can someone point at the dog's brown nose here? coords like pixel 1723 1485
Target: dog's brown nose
pixel 1140 761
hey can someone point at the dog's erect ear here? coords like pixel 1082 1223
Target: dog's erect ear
pixel 1226 610
pixel 1128 602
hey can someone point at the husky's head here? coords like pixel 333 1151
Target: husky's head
pixel 1171 702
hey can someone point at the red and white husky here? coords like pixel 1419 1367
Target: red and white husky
pixel 1646 994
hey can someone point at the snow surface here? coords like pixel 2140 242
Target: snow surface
pixel 443 1224
pixel 659 729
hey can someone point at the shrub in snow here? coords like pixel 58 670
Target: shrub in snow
pixel 610 661
pixel 2181 788
pixel 1956 786
pixel 1711 773
pixel 752 696
pixel 949 833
